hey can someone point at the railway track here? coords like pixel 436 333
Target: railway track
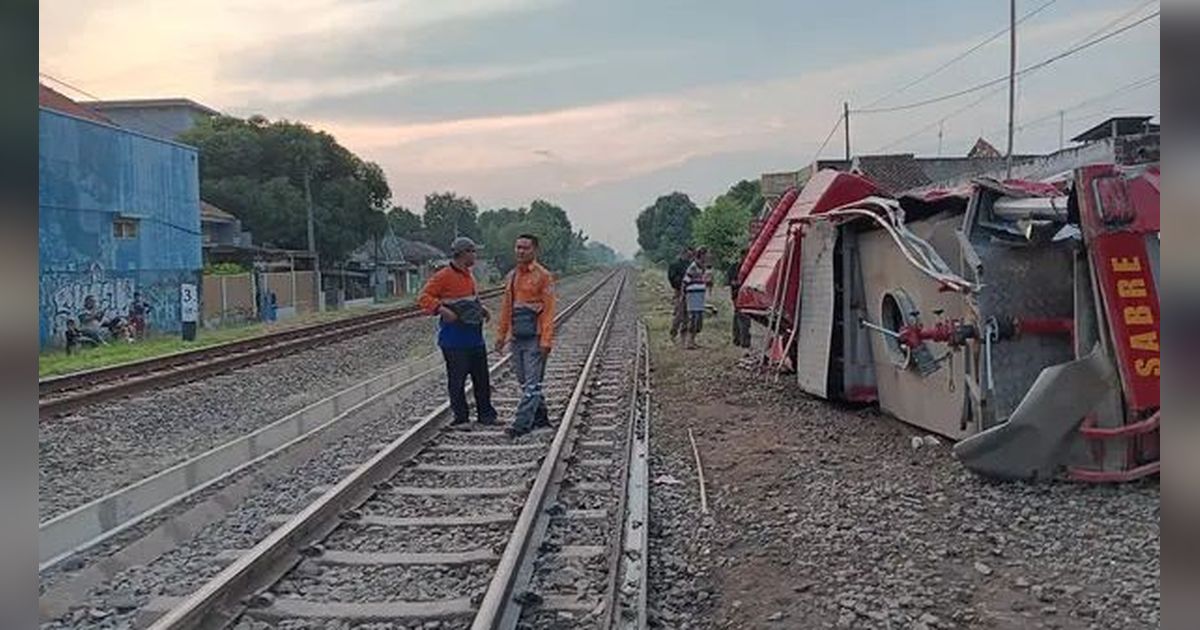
pixel 469 528
pixel 60 394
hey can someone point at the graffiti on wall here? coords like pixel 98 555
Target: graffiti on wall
pixel 63 296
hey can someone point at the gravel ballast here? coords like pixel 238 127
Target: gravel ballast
pixel 826 516
pixel 106 446
pixel 179 571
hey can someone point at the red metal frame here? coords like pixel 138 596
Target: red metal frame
pixel 1118 212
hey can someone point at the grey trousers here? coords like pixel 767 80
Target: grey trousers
pixel 679 317
pixel 530 368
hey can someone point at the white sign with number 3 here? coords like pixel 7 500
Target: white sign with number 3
pixel 189 303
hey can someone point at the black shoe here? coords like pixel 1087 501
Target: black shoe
pixel 457 422
pixel 513 432
pixel 488 422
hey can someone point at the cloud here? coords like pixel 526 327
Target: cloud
pixel 588 154
pixel 601 104
pixel 382 36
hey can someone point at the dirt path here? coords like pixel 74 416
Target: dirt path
pixel 825 516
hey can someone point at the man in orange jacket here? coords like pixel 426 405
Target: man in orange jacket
pixel 451 294
pixel 527 320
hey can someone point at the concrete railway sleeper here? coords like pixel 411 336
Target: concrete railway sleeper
pixel 73 531
pixel 444 526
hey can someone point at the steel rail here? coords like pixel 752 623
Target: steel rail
pixel 629 583
pixel 57 395
pixel 220 599
pixel 82 527
pixel 498 609
pixel 614 560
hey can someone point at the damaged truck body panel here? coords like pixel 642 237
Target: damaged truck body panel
pixel 1019 318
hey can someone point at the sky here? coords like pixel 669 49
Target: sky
pixel 601 106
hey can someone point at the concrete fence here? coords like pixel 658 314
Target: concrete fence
pixel 230 299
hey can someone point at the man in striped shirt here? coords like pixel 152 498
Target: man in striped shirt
pixel 527 319
pixel 451 294
pixel 696 282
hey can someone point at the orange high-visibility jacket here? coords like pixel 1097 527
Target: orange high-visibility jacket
pixel 531 286
pixel 447 285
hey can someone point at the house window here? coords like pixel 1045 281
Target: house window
pixel 125 228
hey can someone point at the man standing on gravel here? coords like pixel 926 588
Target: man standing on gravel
pixel 675 277
pixel 527 318
pixel 451 294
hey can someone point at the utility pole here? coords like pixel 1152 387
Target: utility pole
pixel 1012 80
pixel 846 121
pixel 1061 129
pixel 941 125
pixel 312 239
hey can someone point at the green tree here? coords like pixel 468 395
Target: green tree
pixel 665 228
pixel 563 249
pixel 258 170
pixel 748 194
pixel 447 216
pixel 406 224
pixel 600 254
pixel 723 228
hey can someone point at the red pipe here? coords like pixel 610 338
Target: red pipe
pixel 1115 476
pixel 1092 432
pixel 768 230
pixel 1046 326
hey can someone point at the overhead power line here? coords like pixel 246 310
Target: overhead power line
pixel 957 58
pixel 167 133
pixel 1026 70
pixel 969 106
pixel 1099 98
pixel 836 125
pixel 1112 23
pixel 69 86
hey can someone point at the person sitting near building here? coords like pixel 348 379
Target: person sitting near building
pixel 451 294
pixel 91 319
pixel 675 277
pixel 72 335
pixel 696 282
pixel 139 311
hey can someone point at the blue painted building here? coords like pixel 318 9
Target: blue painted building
pixel 119 212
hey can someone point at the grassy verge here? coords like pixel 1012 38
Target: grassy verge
pixel 56 361
pixel 715 340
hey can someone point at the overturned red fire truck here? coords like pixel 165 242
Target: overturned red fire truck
pixel 1018 318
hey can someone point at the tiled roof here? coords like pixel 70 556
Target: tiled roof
pixel 52 99
pixel 418 252
pixel 209 211
pixel 892 173
pixel 984 149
